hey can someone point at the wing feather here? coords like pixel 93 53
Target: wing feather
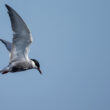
pixel 21 38
pixel 7 44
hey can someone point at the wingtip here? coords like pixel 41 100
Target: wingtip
pixel 7 6
pixel 1 39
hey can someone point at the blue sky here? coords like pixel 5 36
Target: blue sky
pixel 72 44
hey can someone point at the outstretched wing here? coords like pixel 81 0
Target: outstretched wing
pixel 21 38
pixel 7 44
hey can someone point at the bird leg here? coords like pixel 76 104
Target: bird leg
pixel 5 72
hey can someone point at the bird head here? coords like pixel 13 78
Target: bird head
pixel 37 65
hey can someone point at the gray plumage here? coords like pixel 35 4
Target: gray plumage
pixel 7 44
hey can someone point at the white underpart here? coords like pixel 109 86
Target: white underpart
pixel 33 64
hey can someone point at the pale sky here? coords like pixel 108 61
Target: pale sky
pixel 72 44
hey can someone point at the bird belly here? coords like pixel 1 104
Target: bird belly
pixel 20 67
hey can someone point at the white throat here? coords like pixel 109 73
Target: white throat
pixel 33 64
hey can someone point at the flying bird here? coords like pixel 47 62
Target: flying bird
pixel 19 48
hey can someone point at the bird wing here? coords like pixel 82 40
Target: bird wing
pixel 21 38
pixel 7 44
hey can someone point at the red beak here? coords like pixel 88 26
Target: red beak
pixel 39 70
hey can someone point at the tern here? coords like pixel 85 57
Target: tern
pixel 19 48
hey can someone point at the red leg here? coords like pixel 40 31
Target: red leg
pixel 5 72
